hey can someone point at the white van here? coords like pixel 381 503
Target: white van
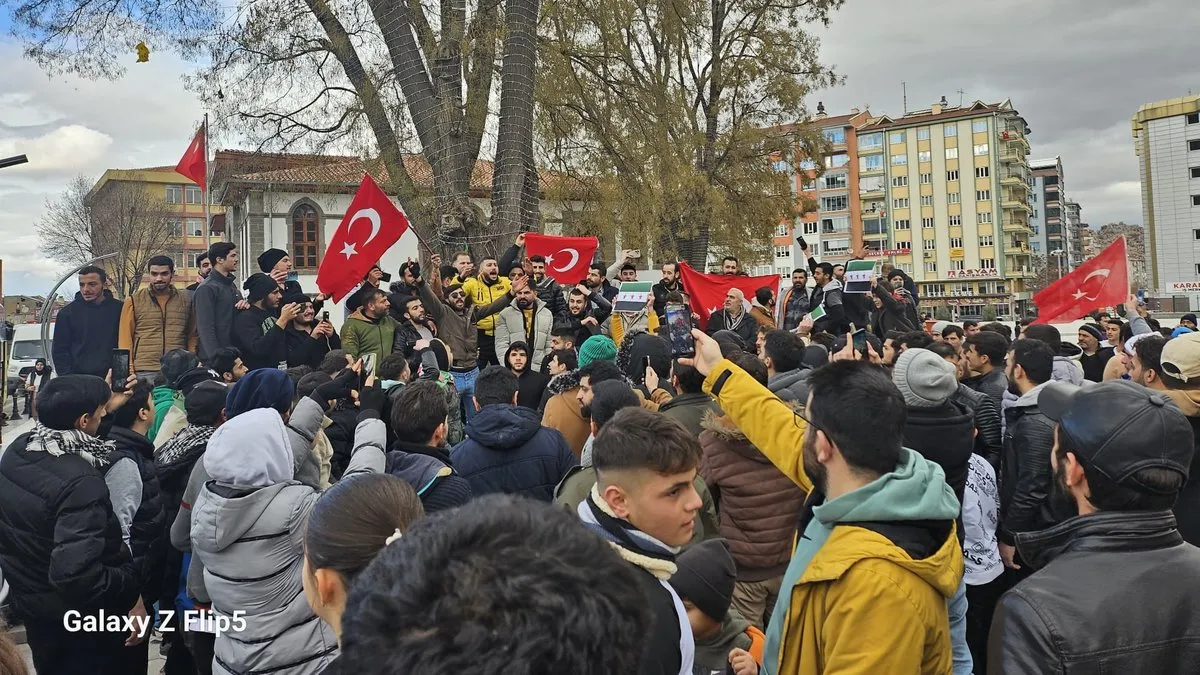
pixel 27 347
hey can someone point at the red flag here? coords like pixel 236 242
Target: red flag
pixel 1101 282
pixel 353 251
pixel 707 291
pixel 193 164
pixel 567 258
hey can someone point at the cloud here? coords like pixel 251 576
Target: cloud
pixel 60 150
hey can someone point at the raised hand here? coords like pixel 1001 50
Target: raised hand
pixel 708 353
pixel 520 239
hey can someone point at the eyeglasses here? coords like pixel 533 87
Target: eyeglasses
pixel 458 296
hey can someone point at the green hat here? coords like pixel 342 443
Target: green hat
pixel 597 348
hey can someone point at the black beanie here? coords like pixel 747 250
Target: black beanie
pixel 259 286
pixel 705 577
pixel 266 261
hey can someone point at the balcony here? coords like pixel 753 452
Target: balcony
pixel 1015 177
pixel 1012 137
pixel 1016 272
pixel 1011 203
pixel 1012 155
pixel 1014 225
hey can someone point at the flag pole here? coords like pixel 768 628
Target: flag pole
pixel 207 183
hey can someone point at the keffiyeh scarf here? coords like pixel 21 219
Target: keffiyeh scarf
pixel 70 442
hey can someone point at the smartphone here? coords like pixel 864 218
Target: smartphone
pixel 293 276
pixel 860 339
pixel 642 371
pixel 385 277
pixel 635 253
pixel 800 241
pixel 120 369
pixel 368 368
pixel 679 330
pixel 325 316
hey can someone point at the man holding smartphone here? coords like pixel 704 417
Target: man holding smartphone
pixel 308 339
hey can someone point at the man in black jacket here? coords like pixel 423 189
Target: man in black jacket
pixel 215 300
pixel 61 547
pixel 420 455
pixel 308 340
pixel 1028 438
pixel 259 331
pixel 414 326
pixel 669 284
pixel 587 310
pixel 734 317
pixel 86 330
pixel 1121 455
pixel 828 295
pixel 985 352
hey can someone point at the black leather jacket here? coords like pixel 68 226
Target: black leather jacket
pixel 1115 592
pixel 1025 471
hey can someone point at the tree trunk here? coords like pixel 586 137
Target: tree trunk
pixel 515 184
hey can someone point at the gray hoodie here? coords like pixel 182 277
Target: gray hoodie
pixel 248 528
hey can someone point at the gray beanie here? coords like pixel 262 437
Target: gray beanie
pixel 925 379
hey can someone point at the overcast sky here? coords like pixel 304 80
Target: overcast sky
pixel 1076 69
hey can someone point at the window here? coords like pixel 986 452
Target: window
pixel 952 198
pixel 1050 180
pixel 306 237
pixel 807 165
pixel 982 172
pixel 174 194
pixel 924 156
pixel 1193 118
pixel 835 203
pixel 978 126
pixel 870 141
pixel 809 184
pixel 907 267
pixel 834 181
pixel 835 136
pixel 1033 197
pixel 1197 269
pixel 176 225
pixel 781 230
pixel 835 225
pixel 927 222
pixel 835 245
pixel 896 137
pixel 870 163
pixel 870 184
pixel 1194 171
pixel 810 228
pixel 873 206
pixel 192 194
pixel 981 149
pixel 931 267
pixel 952 175
pixel 986 240
pixel 1035 213
pixel 781 166
pixel 950 130
pixel 929 245
pixel 923 134
pixel 926 178
pixel 783 251
pixel 1053 212
pixel 899 160
pixel 905 224
pixel 195 227
pixel 1196 235
pixel 1195 200
pixel 900 181
pixel 983 195
pixel 984 217
pixel 900 203
pixel 959 265
pixel 956 221
pixel 955 242
pixel 837 161
pixel 987 263
pixel 951 153
pixel 906 245
pixel 1194 145
pixel 926 200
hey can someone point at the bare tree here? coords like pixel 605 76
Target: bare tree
pixel 124 218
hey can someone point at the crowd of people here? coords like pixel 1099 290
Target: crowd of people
pixel 489 471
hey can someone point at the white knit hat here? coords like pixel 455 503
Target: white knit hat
pixel 925 379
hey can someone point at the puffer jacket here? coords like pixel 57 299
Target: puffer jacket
pixel 757 505
pixel 148 531
pixel 151 328
pixel 1025 471
pixel 510 328
pixel 508 450
pixel 791 385
pixel 248 530
pixel 362 335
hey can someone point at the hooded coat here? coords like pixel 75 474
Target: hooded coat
pixel 531 384
pixel 508 450
pixel 248 530
pixel 885 550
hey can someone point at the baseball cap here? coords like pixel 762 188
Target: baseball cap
pixel 1119 428
pixel 1181 358
pixel 206 398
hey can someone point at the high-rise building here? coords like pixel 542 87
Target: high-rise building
pixel 1073 223
pixel 955 201
pixel 1045 198
pixel 1166 137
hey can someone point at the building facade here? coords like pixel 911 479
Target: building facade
pixel 1045 198
pixel 1166 137
pixel 1073 225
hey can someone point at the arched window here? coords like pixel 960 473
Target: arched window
pixel 306 237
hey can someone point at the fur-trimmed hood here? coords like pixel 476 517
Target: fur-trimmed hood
pixel 563 382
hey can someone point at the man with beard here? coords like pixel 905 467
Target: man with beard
pixel 598 282
pixel 88 328
pixel 156 319
pixel 227 364
pixel 525 320
pixel 308 340
pixel 1121 455
pixel 369 329
pixel 828 295
pixel 215 301
pixel 794 304
pixel 669 284
pixel 484 290
pixel 531 384
pixel 416 328
pixel 1025 461
pixel 259 331
pixel 1172 368
pixel 984 353
pixel 878 536
pixel 734 318
pixel 729 265
pixel 587 310
pixel 203 267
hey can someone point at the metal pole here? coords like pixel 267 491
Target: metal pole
pixel 207 187
pixel 48 306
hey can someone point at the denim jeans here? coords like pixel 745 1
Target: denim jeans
pixel 957 610
pixel 465 384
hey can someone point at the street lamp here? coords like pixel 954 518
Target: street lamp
pixel 13 161
pixel 1059 253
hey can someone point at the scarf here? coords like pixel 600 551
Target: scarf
pixel 732 324
pixel 70 442
pixel 182 444
pixel 633 545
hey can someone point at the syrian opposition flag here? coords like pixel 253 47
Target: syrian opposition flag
pixel 194 163
pixel 371 225
pixel 1101 282
pixel 567 258
pixel 707 291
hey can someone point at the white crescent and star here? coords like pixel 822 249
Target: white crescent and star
pixel 372 215
pixel 574 259
pixel 1102 272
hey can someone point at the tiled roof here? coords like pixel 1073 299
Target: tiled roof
pixel 921 116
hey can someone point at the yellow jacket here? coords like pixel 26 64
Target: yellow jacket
pixel 862 604
pixel 616 324
pixel 483 295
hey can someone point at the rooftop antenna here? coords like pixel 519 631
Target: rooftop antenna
pixel 960 97
pixel 904 90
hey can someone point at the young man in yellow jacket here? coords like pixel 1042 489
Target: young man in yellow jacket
pixel 483 290
pixel 878 557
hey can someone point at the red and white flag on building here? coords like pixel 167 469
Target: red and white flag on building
pixel 371 225
pixel 1101 282
pixel 707 291
pixel 567 258
pixel 194 163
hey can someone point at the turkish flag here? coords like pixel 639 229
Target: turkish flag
pixel 567 258
pixel 707 291
pixel 1101 282
pixel 194 163
pixel 371 225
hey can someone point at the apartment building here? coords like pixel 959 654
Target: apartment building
pixel 954 205
pixel 1045 198
pixel 1073 224
pixel 1166 138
